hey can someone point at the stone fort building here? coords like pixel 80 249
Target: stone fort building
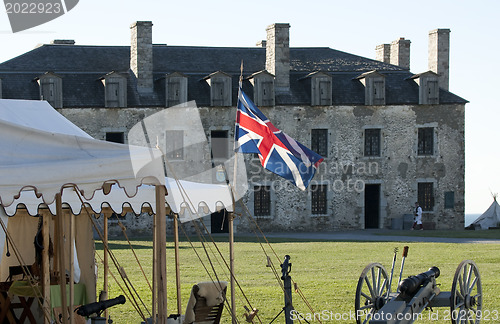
pixel 389 137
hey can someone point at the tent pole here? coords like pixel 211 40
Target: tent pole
pixel 231 264
pixel 106 260
pixel 177 270
pixel 62 260
pixel 161 251
pixel 71 267
pixel 46 264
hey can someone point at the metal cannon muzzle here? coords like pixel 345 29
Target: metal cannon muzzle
pixel 411 284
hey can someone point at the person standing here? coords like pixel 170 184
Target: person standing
pixel 417 219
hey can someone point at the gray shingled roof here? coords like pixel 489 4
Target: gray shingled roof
pixel 81 67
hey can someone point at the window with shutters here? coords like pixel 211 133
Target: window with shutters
pixel 174 140
pixel 267 90
pixel 262 201
pixel 378 92
pixel 263 88
pixel 372 142
pixel 220 89
pixel 175 89
pixel 426 195
pixel 426 141
pixel 319 199
pixel 51 89
pixel 115 90
pixel 321 89
pixel 432 92
pixel 319 141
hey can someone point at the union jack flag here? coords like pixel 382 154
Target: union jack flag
pixel 278 152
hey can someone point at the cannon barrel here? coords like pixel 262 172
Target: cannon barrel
pixel 411 284
pixel 98 307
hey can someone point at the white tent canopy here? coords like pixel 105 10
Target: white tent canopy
pixel 45 152
pixel 490 218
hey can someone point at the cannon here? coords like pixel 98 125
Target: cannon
pixel 375 303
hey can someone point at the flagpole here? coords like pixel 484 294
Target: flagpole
pixel 232 215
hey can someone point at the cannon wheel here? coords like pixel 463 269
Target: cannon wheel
pixel 466 294
pixel 372 292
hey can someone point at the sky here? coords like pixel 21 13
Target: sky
pixel 351 26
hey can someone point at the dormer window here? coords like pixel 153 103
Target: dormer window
pixel 220 89
pixel 374 83
pixel 428 93
pixel 176 86
pixel 50 86
pixel 321 88
pixel 263 88
pixel 115 90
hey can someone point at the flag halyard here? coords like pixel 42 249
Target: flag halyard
pixel 278 152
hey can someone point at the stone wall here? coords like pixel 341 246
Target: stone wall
pixel 345 170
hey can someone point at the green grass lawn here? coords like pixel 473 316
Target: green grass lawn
pixel 326 272
pixel 486 234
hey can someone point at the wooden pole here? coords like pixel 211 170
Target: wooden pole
pixel 106 260
pixel 47 216
pixel 231 265
pixel 161 252
pixel 60 250
pixel 177 264
pixel 71 267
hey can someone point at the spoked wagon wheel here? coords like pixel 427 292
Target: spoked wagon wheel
pixel 466 294
pixel 372 292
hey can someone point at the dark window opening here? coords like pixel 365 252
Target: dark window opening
pixel 449 199
pixel 426 141
pixel 372 142
pixel 426 195
pixel 115 137
pixel 319 141
pixel 262 200
pixel 318 199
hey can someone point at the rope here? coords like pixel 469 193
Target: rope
pixel 113 258
pixel 133 251
pixel 248 214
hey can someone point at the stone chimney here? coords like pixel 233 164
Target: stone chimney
pixel 261 43
pixel 439 55
pixel 141 55
pixel 400 53
pixel 383 53
pixel 278 55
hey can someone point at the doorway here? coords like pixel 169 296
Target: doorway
pixel 372 205
pixel 219 222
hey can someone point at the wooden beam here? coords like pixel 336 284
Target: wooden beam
pixel 161 252
pixel 47 217
pixel 71 267
pixel 177 265
pixel 62 260
pixel 106 257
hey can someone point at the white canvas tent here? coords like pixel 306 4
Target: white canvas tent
pixel 44 156
pixel 490 218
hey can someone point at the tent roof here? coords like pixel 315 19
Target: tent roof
pixel 43 151
pixel 490 218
